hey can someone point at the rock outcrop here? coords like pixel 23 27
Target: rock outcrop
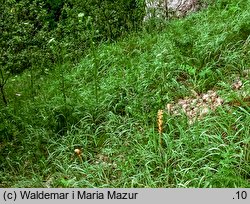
pixel 170 8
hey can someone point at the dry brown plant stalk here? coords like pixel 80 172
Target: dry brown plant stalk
pixel 160 123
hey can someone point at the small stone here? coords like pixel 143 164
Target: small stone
pixel 204 111
pixel 181 102
pixel 169 107
pixel 184 106
pixel 237 84
pixel 205 97
pixel 219 102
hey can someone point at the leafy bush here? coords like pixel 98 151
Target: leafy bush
pixel 24 34
pixel 37 33
pixel 27 26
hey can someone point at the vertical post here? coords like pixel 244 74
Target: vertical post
pixel 166 9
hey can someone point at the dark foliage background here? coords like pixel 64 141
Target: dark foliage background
pixel 29 28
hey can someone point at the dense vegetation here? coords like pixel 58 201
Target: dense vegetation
pixel 28 28
pixel 77 75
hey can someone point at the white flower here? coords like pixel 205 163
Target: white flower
pixel 80 15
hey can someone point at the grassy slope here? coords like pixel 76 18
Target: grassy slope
pixel 111 114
